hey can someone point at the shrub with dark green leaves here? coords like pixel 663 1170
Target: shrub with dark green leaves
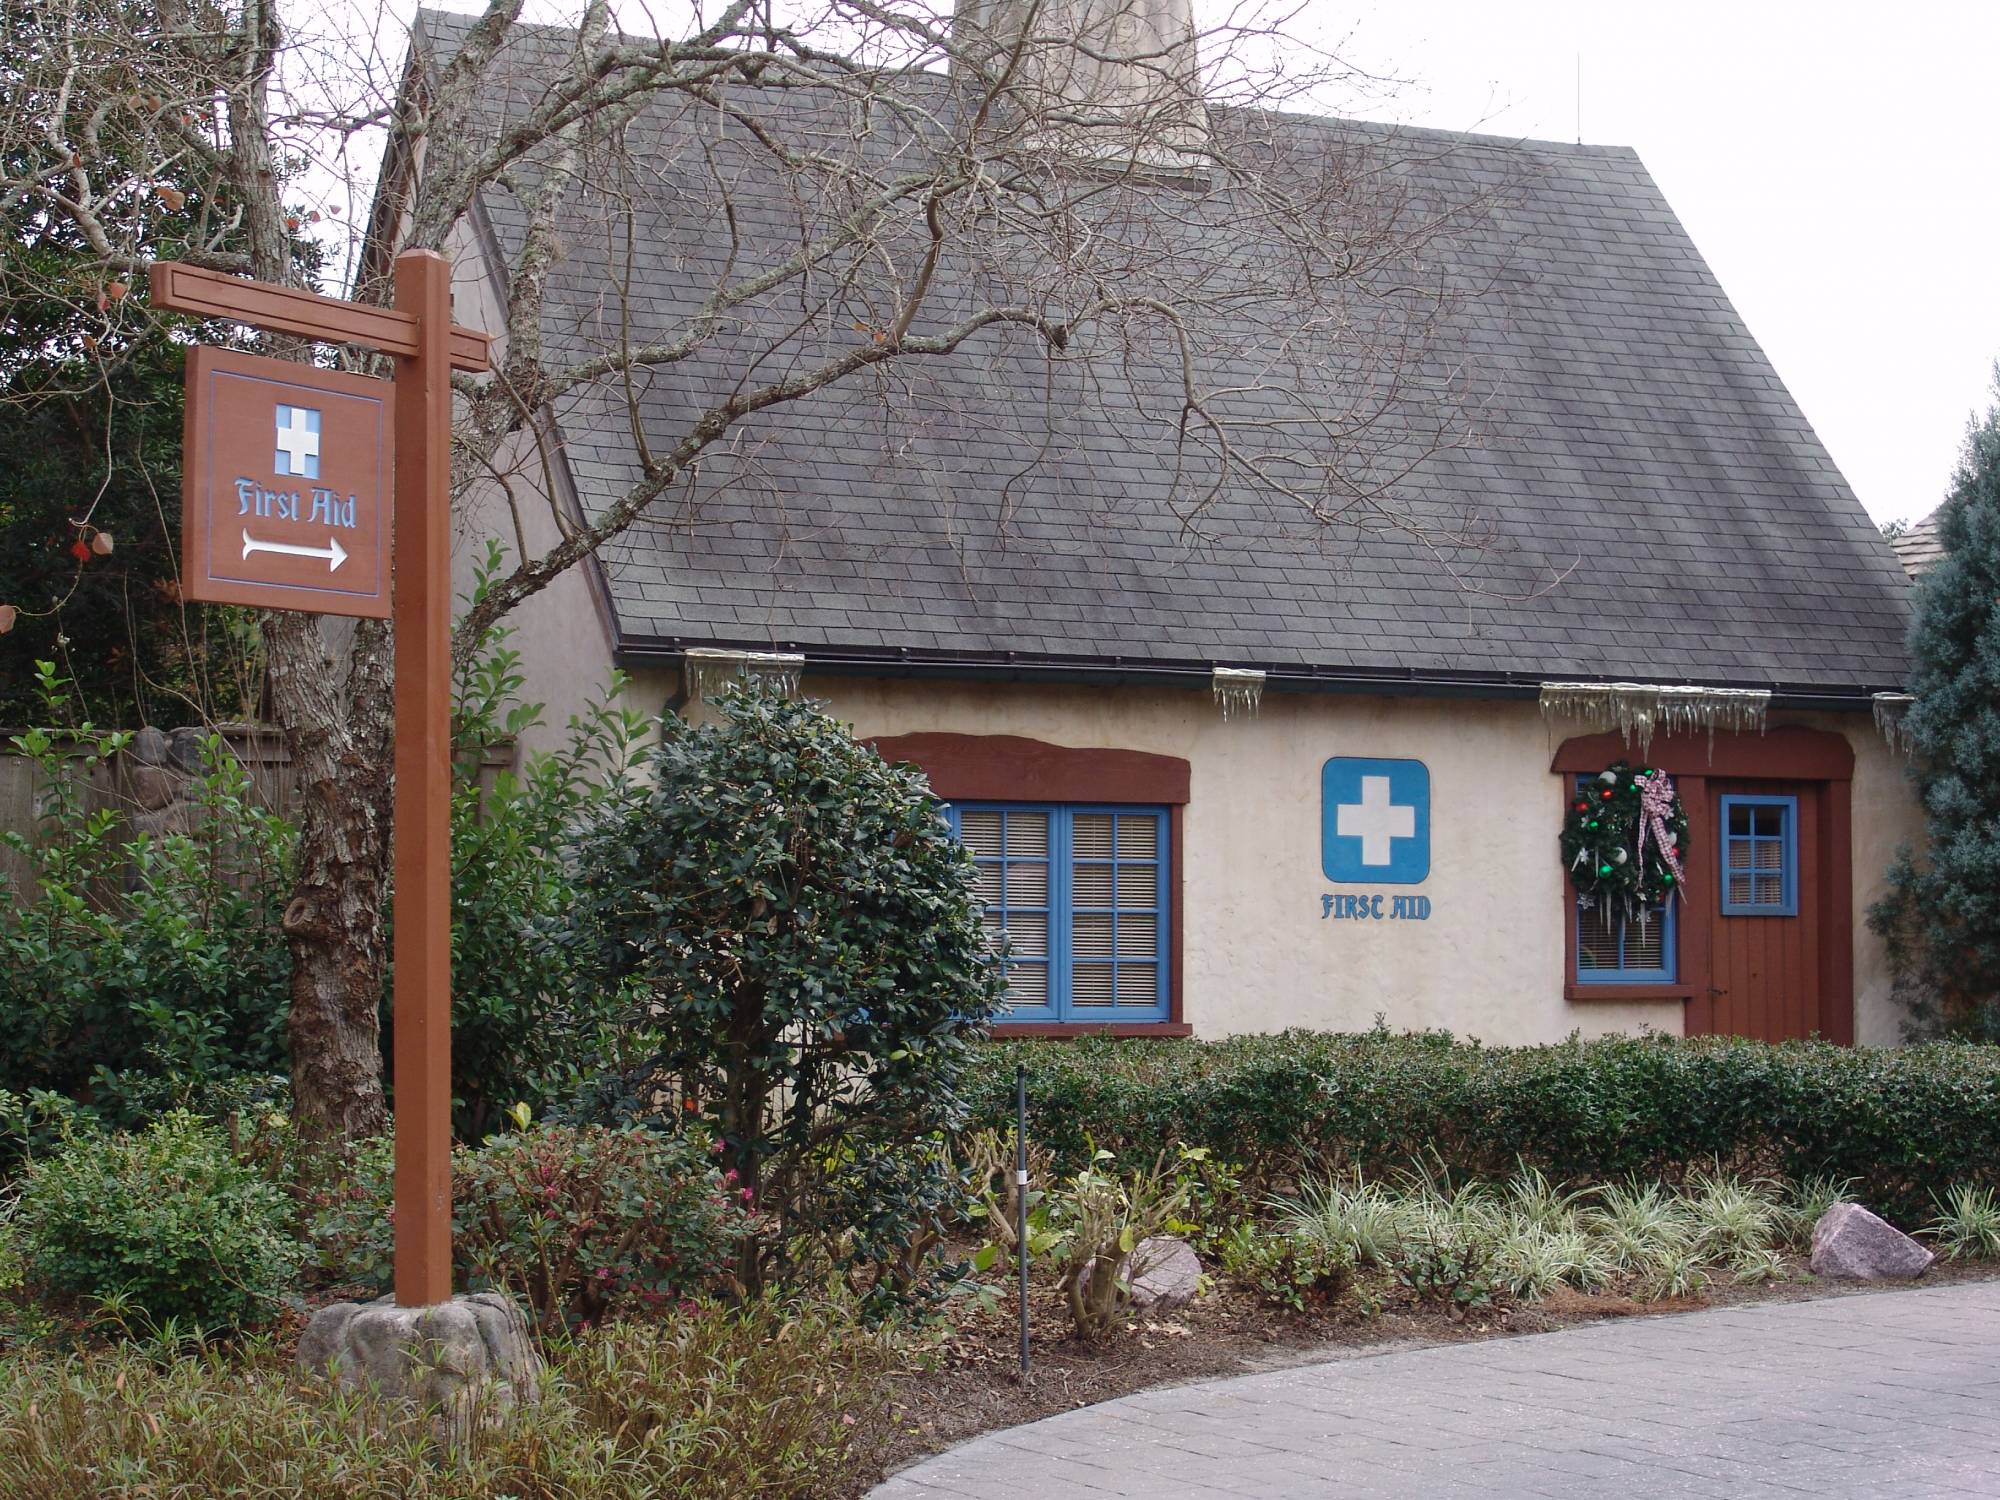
pixel 583 1223
pixel 1901 1123
pixel 141 971
pixel 167 1224
pixel 801 929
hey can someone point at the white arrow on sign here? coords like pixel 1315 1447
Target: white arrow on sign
pixel 333 552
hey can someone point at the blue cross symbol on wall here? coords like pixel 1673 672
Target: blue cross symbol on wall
pixel 1375 821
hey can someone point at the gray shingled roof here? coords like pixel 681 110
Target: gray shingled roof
pixel 1652 488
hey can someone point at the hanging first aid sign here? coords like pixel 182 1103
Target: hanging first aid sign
pixel 286 493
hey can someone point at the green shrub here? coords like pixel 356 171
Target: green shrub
pixel 702 1405
pixel 1900 1123
pixel 146 974
pixel 1939 919
pixel 168 1225
pixel 802 933
pixel 140 970
pixel 522 1029
pixel 1295 1269
pixel 583 1223
pixel 1094 1221
pixel 1360 1217
pixel 1449 1259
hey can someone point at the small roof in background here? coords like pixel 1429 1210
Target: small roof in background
pixel 1919 547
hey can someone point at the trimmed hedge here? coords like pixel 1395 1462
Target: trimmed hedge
pixel 1902 1123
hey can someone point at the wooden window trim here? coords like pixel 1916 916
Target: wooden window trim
pixel 1788 753
pixel 1012 768
pixel 1575 991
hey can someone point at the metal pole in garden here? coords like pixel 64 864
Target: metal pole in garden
pixel 1021 1197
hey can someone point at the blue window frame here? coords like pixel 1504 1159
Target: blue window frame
pixel 1627 950
pixel 1076 898
pixel 1760 856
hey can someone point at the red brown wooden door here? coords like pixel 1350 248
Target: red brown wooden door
pixel 1766 976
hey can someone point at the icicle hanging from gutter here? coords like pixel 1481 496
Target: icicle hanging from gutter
pixel 706 671
pixel 1890 711
pixel 1639 710
pixel 1237 689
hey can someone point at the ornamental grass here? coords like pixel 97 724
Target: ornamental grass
pixel 767 1403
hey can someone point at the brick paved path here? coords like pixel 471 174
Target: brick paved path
pixel 1883 1394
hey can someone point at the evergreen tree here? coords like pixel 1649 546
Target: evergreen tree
pixel 1942 916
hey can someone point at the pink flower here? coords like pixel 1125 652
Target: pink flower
pixel 748 1194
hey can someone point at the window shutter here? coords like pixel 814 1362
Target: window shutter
pixel 1075 897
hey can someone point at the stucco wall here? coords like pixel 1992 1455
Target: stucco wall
pixel 1886 815
pixel 563 632
pixel 1257 953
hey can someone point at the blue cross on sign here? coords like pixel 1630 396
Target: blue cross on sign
pixel 298 441
pixel 1375 821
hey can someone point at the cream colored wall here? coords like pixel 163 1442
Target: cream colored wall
pixel 1886 815
pixel 1256 953
pixel 562 633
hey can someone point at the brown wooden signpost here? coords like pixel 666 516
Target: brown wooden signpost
pixel 295 481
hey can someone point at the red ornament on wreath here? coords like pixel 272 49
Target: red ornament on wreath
pixel 1622 847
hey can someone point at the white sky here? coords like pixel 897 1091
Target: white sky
pixel 1838 164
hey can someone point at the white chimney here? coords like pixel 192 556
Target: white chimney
pixel 1109 81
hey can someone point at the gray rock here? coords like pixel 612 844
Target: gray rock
pixel 1164 1272
pixel 1851 1243
pixel 468 1358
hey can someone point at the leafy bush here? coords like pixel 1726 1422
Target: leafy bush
pixel 1295 1269
pixel 168 1225
pixel 698 1404
pixel 523 1030
pixel 1096 1218
pixel 147 974
pixel 142 970
pixel 802 931
pixel 583 1223
pixel 1899 1123
pixel 993 1195
pixel 1448 1259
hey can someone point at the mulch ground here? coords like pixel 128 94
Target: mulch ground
pixel 968 1382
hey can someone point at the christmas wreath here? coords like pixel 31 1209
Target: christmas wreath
pixel 1622 839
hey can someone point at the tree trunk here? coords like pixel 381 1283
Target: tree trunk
pixel 339 735
pixel 338 719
